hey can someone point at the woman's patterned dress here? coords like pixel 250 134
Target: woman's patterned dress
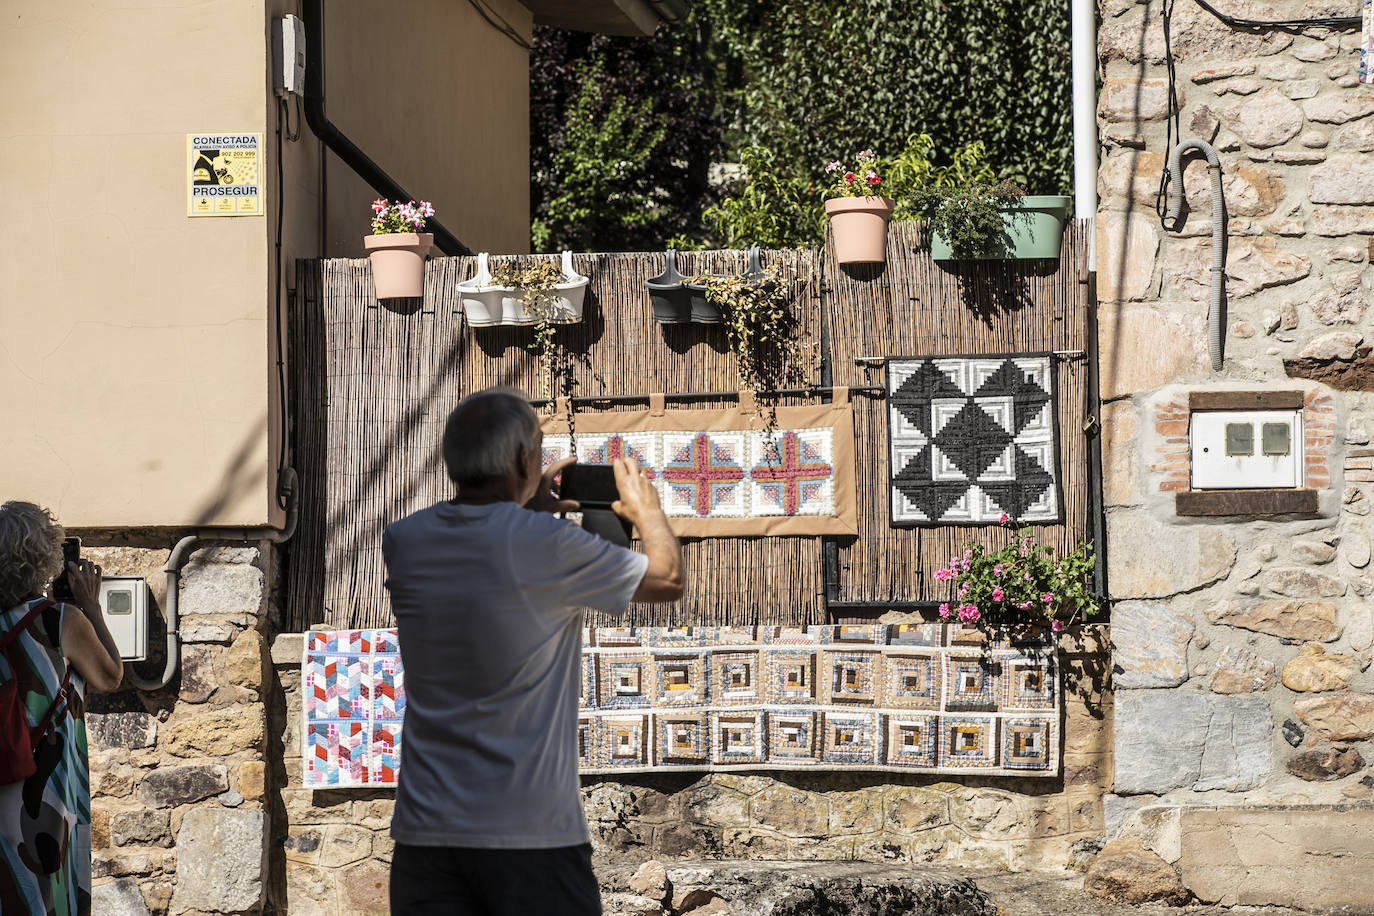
pixel 45 821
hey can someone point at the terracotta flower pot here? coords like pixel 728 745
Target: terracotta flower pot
pixel 858 226
pixel 398 263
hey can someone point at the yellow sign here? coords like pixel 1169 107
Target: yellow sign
pixel 224 175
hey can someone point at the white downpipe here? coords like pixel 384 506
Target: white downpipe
pixel 1083 15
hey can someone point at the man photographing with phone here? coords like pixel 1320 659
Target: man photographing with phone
pixel 489 590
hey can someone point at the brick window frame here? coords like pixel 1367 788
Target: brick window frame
pixel 1172 459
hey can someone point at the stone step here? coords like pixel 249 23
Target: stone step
pixel 760 888
pixel 1060 893
pixel 824 888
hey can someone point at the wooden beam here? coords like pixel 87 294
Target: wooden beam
pixel 1246 502
pixel 1245 400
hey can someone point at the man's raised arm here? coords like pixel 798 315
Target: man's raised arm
pixel 639 505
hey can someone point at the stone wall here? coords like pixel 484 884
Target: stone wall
pixel 1241 643
pixel 336 850
pixel 331 848
pixel 178 823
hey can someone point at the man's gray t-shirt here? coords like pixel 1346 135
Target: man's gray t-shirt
pixel 488 601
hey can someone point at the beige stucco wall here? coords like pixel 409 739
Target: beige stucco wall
pixel 137 356
pixel 134 340
pixel 441 100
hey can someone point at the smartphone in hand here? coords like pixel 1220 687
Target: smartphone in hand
pixel 62 586
pixel 594 488
pixel 592 485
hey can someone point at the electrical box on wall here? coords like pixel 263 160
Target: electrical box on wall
pixel 124 602
pixel 1246 449
pixel 289 50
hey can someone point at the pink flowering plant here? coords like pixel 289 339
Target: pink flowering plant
pixel 862 180
pixel 1021 586
pixel 399 217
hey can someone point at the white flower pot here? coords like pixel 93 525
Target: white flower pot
pixel 486 304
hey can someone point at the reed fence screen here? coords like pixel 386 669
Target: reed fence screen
pixel 372 385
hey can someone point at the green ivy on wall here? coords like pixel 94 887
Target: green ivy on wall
pixel 809 81
pixel 822 80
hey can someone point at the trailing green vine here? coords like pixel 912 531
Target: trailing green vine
pixel 537 283
pixel 758 321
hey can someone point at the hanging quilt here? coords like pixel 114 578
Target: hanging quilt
pixel 927 698
pixel 912 698
pixel 971 438
pixel 352 703
pixel 1366 42
pixel 731 472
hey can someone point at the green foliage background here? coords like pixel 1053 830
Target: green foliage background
pixel 609 137
pixel 622 135
pixel 809 80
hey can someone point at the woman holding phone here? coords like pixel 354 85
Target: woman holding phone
pixel 53 651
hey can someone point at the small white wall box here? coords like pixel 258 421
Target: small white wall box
pixel 1246 449
pixel 124 602
pixel 289 48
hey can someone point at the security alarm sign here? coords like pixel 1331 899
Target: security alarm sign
pixel 224 175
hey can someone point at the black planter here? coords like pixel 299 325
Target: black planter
pixel 703 310
pixel 669 295
pixel 676 301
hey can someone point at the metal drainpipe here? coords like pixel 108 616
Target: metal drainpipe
pixel 312 13
pixel 830 547
pixel 182 552
pixel 1216 305
pixel 1097 510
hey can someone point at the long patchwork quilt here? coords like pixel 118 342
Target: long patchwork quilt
pixel 927 698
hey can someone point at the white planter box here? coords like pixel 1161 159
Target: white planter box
pixel 487 304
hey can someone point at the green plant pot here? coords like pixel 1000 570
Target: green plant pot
pixel 1033 228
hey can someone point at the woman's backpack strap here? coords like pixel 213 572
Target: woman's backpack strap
pixel 24 622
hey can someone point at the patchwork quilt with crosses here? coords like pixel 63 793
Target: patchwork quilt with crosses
pixel 729 472
pixel 903 697
pixel 972 438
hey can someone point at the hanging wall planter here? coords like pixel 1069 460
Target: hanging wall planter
pixel 398 263
pixel 668 293
pixel 677 299
pixel 858 227
pixel 1032 227
pixel 488 303
pixel 702 309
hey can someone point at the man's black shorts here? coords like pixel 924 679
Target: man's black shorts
pixel 458 881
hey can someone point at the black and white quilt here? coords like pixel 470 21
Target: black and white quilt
pixel 971 438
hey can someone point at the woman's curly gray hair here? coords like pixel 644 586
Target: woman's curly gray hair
pixel 30 551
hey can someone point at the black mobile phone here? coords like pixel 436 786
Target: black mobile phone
pixel 592 485
pixel 607 525
pixel 62 586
